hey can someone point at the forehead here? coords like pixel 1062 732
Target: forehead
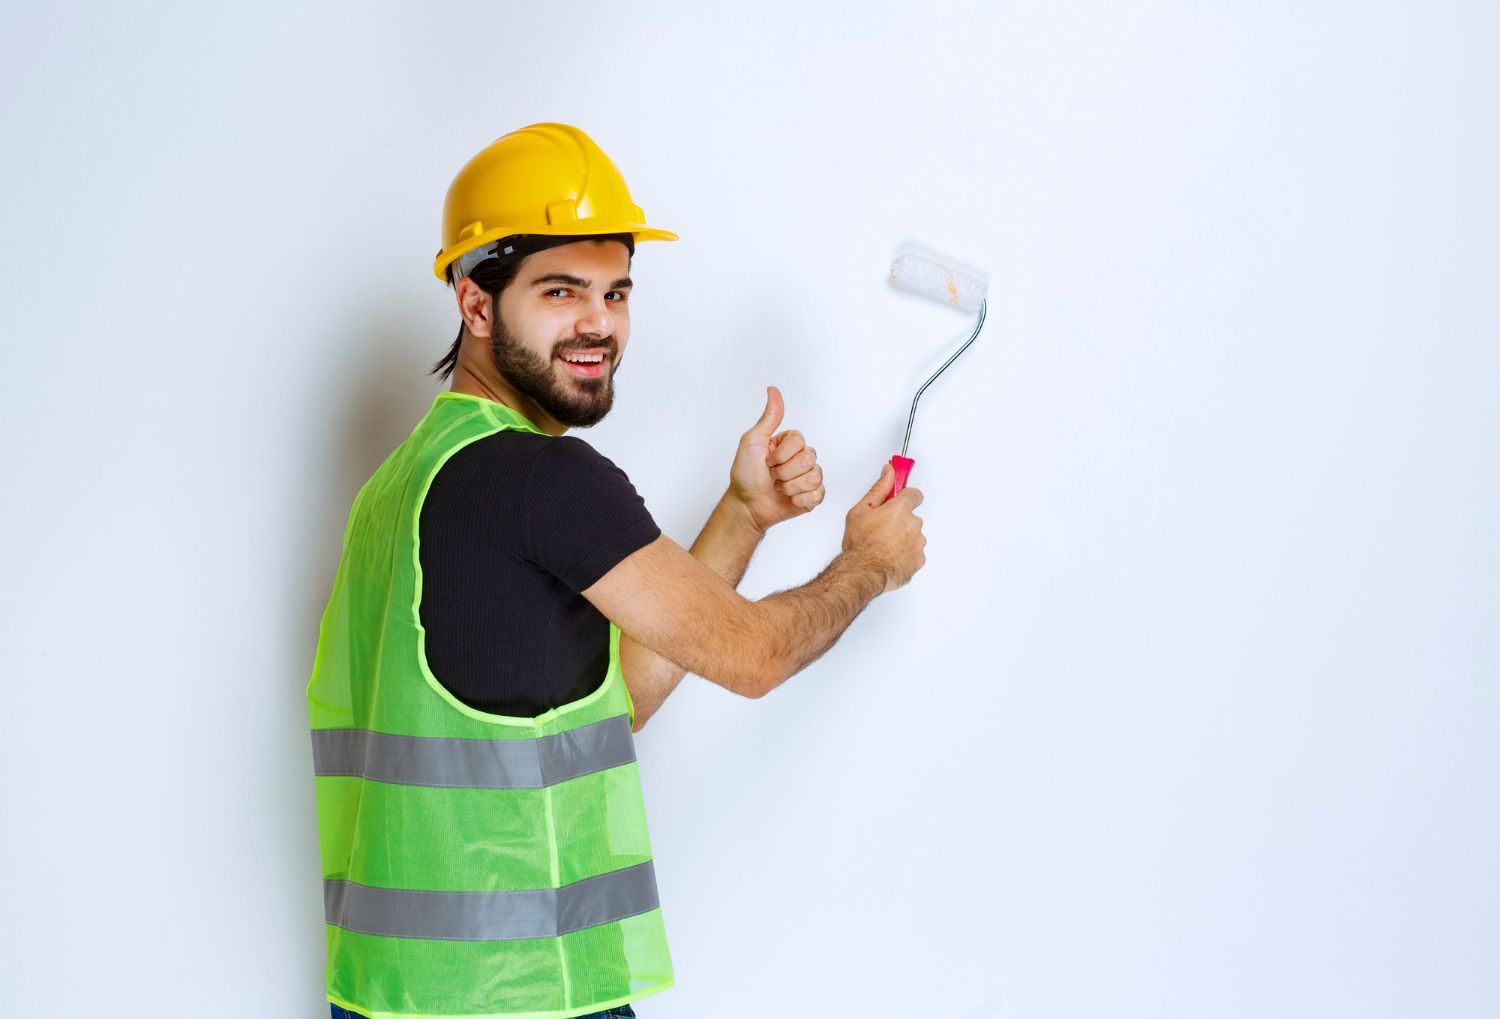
pixel 581 258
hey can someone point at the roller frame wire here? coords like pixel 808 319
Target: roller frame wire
pixel 912 417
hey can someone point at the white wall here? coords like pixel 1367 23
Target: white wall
pixel 1193 710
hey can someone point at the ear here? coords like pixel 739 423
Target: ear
pixel 475 306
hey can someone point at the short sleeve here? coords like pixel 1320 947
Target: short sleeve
pixel 580 513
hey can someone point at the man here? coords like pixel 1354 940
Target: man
pixel 506 614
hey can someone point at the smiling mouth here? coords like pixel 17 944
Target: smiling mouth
pixel 585 366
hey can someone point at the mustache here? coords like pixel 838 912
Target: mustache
pixel 569 346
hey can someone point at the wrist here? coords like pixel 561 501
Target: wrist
pixel 741 515
pixel 865 568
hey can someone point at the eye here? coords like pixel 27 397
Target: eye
pixel 556 290
pixel 618 293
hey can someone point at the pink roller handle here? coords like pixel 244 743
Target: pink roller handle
pixel 903 465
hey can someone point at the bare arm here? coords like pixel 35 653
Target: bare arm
pixel 669 602
pixel 725 546
pixel 679 611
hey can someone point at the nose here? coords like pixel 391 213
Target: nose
pixel 595 320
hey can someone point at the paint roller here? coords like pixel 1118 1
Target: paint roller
pixel 952 287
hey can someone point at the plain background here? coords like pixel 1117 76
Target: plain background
pixel 1193 711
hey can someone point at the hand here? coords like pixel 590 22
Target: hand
pixel 776 477
pixel 888 533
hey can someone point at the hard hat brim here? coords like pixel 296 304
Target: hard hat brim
pixel 580 228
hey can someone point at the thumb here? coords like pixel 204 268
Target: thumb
pixel 882 487
pixel 771 416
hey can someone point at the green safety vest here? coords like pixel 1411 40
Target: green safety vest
pixel 473 864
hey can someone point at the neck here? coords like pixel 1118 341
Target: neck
pixel 493 386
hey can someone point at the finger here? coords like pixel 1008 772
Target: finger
pixel 796 466
pixel 911 498
pixel 807 500
pixel 882 487
pixel 771 416
pixel 785 446
pixel 801 483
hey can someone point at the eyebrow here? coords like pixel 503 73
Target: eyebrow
pixel 574 281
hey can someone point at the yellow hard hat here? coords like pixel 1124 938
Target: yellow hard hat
pixel 543 179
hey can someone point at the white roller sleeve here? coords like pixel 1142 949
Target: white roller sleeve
pixel 939 282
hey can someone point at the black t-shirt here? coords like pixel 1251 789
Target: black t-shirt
pixel 514 526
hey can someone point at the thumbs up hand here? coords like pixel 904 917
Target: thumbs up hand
pixel 776 475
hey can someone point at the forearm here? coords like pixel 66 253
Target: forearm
pixel 804 622
pixel 725 545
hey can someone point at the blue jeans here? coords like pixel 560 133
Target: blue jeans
pixel 623 1012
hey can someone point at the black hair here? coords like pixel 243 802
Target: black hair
pixel 493 275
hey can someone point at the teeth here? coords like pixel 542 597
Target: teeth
pixel 584 358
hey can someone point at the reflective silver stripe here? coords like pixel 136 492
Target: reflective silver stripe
pixel 474 763
pixel 490 916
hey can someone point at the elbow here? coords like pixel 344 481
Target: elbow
pixel 762 665
pixel 764 678
pixel 749 680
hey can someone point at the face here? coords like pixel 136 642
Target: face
pixel 562 328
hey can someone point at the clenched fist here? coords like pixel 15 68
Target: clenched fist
pixel 776 476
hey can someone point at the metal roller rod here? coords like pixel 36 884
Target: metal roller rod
pixel 911 419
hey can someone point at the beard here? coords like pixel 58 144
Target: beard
pixel 572 401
